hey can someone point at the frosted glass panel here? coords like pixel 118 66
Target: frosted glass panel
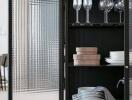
pixel 43 45
pixel 35 45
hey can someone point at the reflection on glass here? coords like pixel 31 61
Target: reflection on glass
pixel 3 72
pixel 3 50
pixel 3 76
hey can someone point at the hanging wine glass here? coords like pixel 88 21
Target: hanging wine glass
pixel 106 5
pixel 77 6
pixel 120 6
pixel 87 4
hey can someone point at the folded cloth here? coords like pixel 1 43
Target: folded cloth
pixel 75 97
pixel 89 97
pixel 108 95
pixel 93 93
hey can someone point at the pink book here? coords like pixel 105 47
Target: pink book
pixel 86 62
pixel 87 52
pixel 86 57
pixel 86 49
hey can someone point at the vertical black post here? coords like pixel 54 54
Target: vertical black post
pixel 126 48
pixel 61 50
pixel 66 52
pixel 10 49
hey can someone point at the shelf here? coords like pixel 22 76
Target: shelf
pixel 94 66
pixel 95 25
pixel 116 99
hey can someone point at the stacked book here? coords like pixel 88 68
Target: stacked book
pixel 118 57
pixel 86 56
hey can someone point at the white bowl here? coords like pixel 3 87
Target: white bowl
pixel 118 55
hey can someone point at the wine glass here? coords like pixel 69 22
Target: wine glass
pixel 120 6
pixel 106 5
pixel 77 6
pixel 87 4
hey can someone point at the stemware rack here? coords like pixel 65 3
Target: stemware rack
pixel 95 15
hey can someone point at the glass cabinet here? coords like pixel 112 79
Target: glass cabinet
pixel 72 46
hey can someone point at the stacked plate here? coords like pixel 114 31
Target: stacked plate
pixel 117 57
pixel 92 93
pixel 86 56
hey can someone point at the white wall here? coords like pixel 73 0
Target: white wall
pixel 3 26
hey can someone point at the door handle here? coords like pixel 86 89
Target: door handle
pixel 121 81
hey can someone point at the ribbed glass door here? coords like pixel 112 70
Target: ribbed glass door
pixel 35 49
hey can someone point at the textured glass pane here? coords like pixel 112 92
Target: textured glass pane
pixel 43 45
pixel 36 45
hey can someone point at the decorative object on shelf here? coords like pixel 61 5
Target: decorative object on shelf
pixel 86 56
pixel 106 5
pixel 87 4
pixel 93 93
pixel 119 5
pixel 117 57
pixel 77 6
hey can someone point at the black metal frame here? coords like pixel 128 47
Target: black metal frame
pixel 66 52
pixel 63 26
pixel 61 50
pixel 10 91
pixel 126 49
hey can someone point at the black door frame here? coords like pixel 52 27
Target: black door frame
pixel 61 37
pixel 126 49
pixel 61 49
pixel 10 91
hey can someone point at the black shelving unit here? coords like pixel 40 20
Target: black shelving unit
pixel 107 37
